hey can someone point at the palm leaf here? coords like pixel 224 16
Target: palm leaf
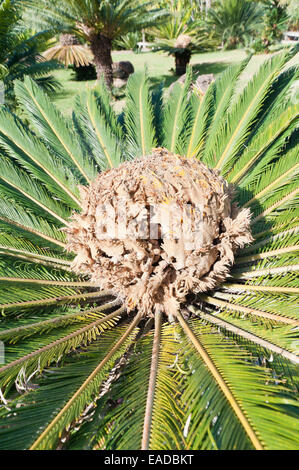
pixel 32 154
pixel 233 372
pixel 201 112
pixel 138 116
pixel 60 404
pixel 225 88
pixel 175 114
pixel 93 118
pixel 245 111
pixel 21 187
pixel 49 123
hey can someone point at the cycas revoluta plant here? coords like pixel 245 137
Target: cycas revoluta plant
pixel 98 22
pixel 128 42
pixel 184 19
pixel 182 33
pixel 235 22
pixel 214 369
pixel 183 47
pixel 275 22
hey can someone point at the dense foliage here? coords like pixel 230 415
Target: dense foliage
pixel 292 10
pixel 20 52
pixel 235 22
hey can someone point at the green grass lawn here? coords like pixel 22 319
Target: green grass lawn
pixel 160 68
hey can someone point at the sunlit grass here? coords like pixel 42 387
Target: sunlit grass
pixel 160 68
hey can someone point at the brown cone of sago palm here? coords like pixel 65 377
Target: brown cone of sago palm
pixel 157 228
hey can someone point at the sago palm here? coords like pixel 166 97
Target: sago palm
pixel 141 344
pixel 98 22
pixel 183 23
pixel 183 19
pixel 235 22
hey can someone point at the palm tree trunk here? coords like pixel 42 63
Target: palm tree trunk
pixel 182 59
pixel 101 47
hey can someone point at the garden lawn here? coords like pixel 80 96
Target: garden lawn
pixel 160 68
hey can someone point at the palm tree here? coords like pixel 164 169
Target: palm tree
pixel 20 52
pixel 182 33
pixel 98 22
pixel 235 22
pixel 183 19
pixel 184 46
pixel 208 369
pixel 292 10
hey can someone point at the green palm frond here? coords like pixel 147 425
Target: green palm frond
pixel 21 52
pixel 235 22
pixel 243 114
pixel 14 218
pixel 57 133
pixel 33 155
pixel 224 89
pixel 201 110
pixel 175 114
pixel 61 406
pixel 100 128
pixel 16 184
pixel 237 375
pixel 139 116
pixel 221 374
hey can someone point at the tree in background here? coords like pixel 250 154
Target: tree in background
pixel 20 52
pixel 275 22
pixel 183 33
pixel 292 9
pixel 235 22
pixel 98 22
pixel 183 19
